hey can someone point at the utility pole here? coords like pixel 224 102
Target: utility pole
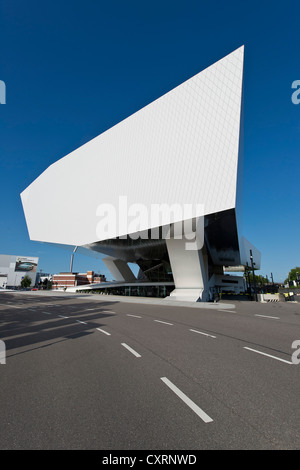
pixel 248 279
pixel 254 282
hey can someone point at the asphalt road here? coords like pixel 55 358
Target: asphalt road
pixel 91 373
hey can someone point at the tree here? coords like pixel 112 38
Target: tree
pixel 259 279
pixel 26 281
pixel 293 274
pixel 47 284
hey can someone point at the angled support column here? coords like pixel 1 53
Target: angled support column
pixel 119 269
pixel 189 265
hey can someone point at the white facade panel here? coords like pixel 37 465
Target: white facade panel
pixel 182 148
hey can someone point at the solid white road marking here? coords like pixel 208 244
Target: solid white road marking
pixel 103 331
pixel 268 355
pixel 266 316
pixel 166 323
pixel 201 333
pixel 131 350
pixel 135 316
pixel 187 401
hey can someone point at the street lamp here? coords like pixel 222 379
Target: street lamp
pixel 248 279
pixel 254 282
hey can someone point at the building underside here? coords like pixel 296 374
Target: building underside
pixel 197 274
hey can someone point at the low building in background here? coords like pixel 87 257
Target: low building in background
pixel 64 280
pixel 14 268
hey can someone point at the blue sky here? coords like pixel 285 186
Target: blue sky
pixel 74 69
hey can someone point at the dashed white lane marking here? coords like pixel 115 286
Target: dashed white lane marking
pixel 62 316
pixel 47 313
pixel 268 355
pixel 79 321
pixel 40 304
pixel 224 310
pixel 201 333
pixel 107 311
pixel 267 316
pixel 131 350
pixel 187 401
pixel 103 331
pixel 166 323
pixel 135 316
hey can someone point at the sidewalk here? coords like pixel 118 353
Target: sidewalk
pixel 121 298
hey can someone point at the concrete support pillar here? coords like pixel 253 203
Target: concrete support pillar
pixel 119 269
pixel 189 266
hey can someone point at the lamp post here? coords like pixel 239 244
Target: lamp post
pixel 248 279
pixel 254 282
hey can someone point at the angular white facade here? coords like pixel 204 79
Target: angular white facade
pixel 182 149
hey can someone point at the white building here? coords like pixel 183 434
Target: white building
pixel 161 189
pixel 14 268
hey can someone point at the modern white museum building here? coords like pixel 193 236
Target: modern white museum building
pixel 161 189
